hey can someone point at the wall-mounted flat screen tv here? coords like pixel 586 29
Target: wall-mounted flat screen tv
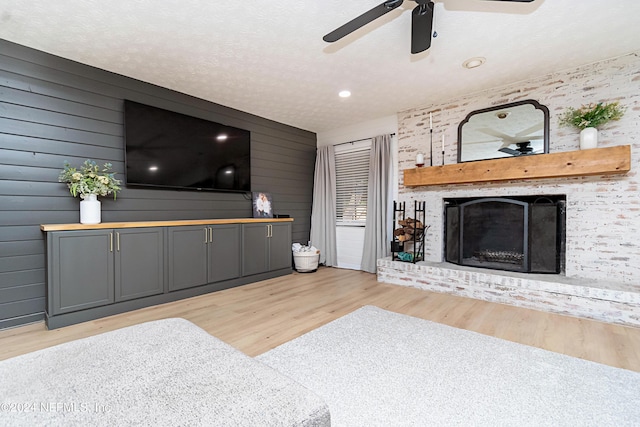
pixel 168 149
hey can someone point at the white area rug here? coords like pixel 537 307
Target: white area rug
pixel 378 368
pixel 162 373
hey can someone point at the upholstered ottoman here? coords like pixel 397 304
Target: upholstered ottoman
pixel 166 372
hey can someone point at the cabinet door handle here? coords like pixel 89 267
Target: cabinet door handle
pixel 205 236
pixel 210 234
pixel 118 241
pixel 269 230
pixel 110 242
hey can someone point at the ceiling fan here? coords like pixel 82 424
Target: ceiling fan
pixel 522 140
pixel 421 22
pixel 524 148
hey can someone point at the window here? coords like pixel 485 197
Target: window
pixel 352 177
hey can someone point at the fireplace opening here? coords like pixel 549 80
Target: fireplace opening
pixel 524 234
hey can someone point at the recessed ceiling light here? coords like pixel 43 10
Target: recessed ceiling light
pixel 344 94
pixel 474 62
pixel 221 137
pixel 153 168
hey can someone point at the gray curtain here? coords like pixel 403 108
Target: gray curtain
pixel 323 211
pixel 376 241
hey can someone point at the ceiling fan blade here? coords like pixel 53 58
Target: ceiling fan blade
pixel 362 20
pixel 530 130
pixel 503 136
pixel 421 26
pixel 510 151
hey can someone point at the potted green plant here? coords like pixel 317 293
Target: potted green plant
pixel 89 182
pixel 588 118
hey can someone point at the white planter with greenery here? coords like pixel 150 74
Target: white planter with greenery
pixel 588 118
pixel 90 182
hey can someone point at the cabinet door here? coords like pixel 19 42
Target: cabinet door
pixel 255 257
pixel 187 256
pixel 80 270
pixel 224 252
pixel 280 246
pixel 139 262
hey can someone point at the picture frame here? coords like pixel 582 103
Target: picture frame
pixel 262 204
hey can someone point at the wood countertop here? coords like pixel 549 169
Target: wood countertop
pixel 105 225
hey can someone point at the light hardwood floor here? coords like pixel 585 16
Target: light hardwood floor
pixel 257 317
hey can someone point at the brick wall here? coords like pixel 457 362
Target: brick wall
pixel 603 213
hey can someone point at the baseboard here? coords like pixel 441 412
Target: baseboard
pixel 15 322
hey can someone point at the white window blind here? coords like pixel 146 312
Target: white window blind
pixel 352 176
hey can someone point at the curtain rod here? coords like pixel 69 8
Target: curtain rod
pixel 358 140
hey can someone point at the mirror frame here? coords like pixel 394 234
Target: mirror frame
pixel 535 104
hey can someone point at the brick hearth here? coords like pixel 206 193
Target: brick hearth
pixel 612 303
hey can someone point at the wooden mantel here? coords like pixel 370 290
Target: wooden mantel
pixel 597 161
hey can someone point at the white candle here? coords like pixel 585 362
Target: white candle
pixel 430 121
pixel 420 160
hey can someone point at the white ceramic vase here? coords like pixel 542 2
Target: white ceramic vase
pixel 90 210
pixel 588 138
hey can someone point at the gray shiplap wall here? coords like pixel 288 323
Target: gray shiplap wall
pixel 53 109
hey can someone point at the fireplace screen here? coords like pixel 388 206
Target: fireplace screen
pixel 523 234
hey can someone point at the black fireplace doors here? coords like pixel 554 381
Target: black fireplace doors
pixel 524 234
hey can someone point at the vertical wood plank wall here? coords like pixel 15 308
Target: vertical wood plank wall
pixel 53 109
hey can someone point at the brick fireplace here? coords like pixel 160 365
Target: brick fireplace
pixel 601 274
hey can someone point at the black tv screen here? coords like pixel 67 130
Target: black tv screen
pixel 168 149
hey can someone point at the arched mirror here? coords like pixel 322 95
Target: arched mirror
pixel 517 129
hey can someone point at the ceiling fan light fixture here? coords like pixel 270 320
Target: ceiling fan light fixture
pixel 474 62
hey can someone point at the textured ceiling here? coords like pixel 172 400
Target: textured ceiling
pixel 268 58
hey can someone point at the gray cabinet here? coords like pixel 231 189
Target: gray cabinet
pixel 98 267
pixel 224 252
pixel 203 254
pixel 280 246
pixel 266 247
pixel 80 270
pixel 93 273
pixel 187 256
pixel 139 262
